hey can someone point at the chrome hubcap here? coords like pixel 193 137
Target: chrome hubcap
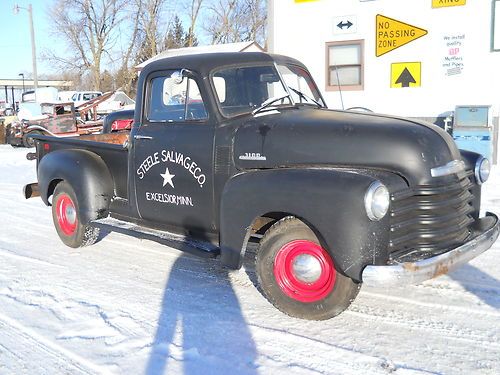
pixel 70 214
pixel 306 268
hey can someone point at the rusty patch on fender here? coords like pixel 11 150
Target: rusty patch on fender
pixel 412 267
pixel 441 269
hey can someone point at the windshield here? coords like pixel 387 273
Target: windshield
pixel 260 88
pixel 47 109
pixel 301 85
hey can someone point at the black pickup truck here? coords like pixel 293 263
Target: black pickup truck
pixel 238 147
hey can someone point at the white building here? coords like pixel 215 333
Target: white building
pixel 413 58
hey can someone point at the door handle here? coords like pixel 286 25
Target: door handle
pixel 142 137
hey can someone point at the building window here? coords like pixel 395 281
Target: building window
pixel 495 37
pixel 344 64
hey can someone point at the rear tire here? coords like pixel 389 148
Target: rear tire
pixel 317 292
pixel 66 217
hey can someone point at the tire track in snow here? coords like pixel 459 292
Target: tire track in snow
pixel 446 329
pixel 452 288
pixel 26 222
pixel 279 343
pixel 407 301
pixel 65 358
pixel 8 254
pixel 13 203
pixel 82 318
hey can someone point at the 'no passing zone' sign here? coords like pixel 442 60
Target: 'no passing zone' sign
pixel 392 34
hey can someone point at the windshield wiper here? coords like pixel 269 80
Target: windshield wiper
pixel 305 97
pixel 268 102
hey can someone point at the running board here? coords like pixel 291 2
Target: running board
pixel 177 241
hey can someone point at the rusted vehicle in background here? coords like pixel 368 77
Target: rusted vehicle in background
pixel 58 119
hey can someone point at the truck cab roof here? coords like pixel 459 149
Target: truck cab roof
pixel 206 62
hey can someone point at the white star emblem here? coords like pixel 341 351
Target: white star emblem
pixel 167 178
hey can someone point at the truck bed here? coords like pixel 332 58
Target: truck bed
pixel 110 147
pixel 113 138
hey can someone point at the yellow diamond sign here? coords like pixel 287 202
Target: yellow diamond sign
pixel 392 34
pixel 406 74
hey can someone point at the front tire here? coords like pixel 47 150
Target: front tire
pixel 298 276
pixel 66 217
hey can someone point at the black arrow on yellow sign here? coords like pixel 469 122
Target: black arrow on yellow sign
pixel 405 78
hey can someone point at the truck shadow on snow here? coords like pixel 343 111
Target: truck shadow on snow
pixel 482 285
pixel 201 326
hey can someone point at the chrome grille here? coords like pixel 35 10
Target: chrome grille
pixel 428 220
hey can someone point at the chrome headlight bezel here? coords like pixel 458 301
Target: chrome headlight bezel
pixel 377 201
pixel 482 170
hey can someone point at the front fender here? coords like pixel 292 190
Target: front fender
pixel 331 201
pixel 87 174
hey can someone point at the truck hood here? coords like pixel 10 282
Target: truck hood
pixel 327 138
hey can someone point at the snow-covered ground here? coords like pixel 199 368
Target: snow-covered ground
pixel 130 306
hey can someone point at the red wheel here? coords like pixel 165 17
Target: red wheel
pixel 298 276
pixel 66 218
pixel 66 214
pixel 304 271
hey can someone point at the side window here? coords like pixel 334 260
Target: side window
pixel 174 98
pixel 344 65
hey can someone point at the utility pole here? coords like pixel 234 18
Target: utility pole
pixel 33 48
pixel 270 26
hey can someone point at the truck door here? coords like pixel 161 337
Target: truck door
pixel 173 154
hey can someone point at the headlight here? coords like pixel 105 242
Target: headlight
pixel 482 170
pixel 377 199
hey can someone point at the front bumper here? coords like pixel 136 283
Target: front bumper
pixel 419 271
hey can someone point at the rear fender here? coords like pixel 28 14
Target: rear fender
pixel 87 174
pixel 330 201
pixel 40 129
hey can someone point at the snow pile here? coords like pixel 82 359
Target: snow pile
pixel 126 306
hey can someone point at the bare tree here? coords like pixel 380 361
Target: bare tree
pixel 232 21
pixel 194 11
pixel 256 11
pixel 126 75
pixel 149 25
pixel 223 21
pixel 87 28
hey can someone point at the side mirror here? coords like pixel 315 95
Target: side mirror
pixel 177 77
